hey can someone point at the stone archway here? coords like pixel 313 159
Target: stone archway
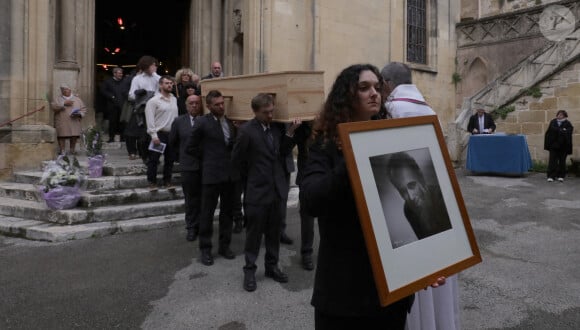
pixel 476 77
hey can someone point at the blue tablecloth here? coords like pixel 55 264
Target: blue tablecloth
pixel 495 153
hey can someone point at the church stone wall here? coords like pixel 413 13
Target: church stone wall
pixel 37 54
pixel 329 35
pixel 483 8
pixel 532 115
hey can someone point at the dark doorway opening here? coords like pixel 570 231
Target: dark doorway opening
pixel 125 30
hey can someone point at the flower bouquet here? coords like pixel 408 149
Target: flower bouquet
pixel 93 142
pixel 61 182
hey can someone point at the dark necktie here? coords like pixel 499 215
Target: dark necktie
pixel 269 138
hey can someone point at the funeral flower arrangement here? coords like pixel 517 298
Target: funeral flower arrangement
pixel 61 182
pixel 93 143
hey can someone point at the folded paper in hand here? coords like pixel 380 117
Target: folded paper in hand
pixel 160 148
pixel 75 112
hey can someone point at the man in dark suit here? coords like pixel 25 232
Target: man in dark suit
pixel 112 90
pixel 211 142
pixel 190 170
pixel 259 153
pixel 481 123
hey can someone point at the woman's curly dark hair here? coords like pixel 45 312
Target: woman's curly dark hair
pixel 339 105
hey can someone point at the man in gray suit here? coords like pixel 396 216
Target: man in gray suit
pixel 190 170
pixel 259 153
pixel 211 143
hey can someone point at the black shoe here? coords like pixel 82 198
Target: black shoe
pixel 206 258
pixel 238 226
pixel 284 239
pixel 191 235
pixel 307 263
pixel 249 280
pixel 153 187
pixel 226 253
pixel 277 275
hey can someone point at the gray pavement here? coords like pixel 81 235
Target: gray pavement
pixel 528 232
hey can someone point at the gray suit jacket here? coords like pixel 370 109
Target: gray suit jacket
pixel 179 139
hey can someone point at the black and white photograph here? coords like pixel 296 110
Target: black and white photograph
pixel 410 196
pixel 410 206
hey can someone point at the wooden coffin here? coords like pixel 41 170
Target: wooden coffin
pixel 298 94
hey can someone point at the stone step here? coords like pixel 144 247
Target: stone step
pixel 39 211
pixel 130 167
pixel 24 191
pixel 42 231
pixel 102 183
pixel 128 196
pixel 54 232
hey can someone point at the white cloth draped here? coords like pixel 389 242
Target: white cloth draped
pixel 434 308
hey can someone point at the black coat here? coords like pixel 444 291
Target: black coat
pixel 344 284
pixel 112 91
pixel 261 167
pixel 474 123
pixel 137 126
pixel 559 137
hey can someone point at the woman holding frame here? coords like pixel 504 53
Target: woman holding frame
pixel 345 295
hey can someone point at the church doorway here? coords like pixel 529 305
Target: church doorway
pixel 128 29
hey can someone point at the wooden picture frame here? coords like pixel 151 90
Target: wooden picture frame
pixel 398 168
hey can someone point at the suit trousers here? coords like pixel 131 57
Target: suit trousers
pixel 153 161
pixel 557 164
pixel 209 199
pixel 262 220
pixel 115 127
pixel 237 214
pixel 191 184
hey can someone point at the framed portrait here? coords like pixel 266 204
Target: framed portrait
pixel 412 213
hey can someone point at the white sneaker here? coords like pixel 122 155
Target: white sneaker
pixel 550 180
pixel 561 179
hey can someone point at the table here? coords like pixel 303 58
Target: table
pixel 498 153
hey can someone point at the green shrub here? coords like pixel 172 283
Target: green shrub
pixel 502 112
pixel 533 91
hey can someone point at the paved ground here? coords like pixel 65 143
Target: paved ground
pixel 528 232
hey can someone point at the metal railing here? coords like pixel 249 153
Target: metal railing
pixel 9 122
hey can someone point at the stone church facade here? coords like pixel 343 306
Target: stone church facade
pixel 44 43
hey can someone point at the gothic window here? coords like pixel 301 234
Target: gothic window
pixel 417 31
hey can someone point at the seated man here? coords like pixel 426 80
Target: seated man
pixel 481 123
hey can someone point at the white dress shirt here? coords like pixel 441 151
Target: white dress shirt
pixel 160 112
pixel 146 82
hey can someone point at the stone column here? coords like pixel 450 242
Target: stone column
pixel 66 52
pixel 66 68
pixel 216 31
